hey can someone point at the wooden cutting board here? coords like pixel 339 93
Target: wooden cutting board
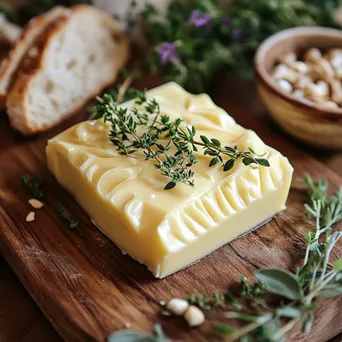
pixel 87 288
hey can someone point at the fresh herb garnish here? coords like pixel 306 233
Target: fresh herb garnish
pixel 33 186
pixel 134 336
pixel 67 216
pixel 298 292
pixel 174 158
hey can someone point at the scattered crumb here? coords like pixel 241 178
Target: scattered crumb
pixel 30 217
pixel 165 313
pixel 162 303
pixel 127 325
pixel 35 203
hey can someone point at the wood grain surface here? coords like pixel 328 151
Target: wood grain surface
pixel 87 288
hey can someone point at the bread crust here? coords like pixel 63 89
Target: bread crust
pixel 30 34
pixel 33 64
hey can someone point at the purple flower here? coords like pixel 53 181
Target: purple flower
pixel 238 33
pixel 198 19
pixel 226 21
pixel 167 52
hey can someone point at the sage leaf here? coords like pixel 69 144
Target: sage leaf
pixel 338 265
pixel 131 336
pixel 134 336
pixel 288 311
pixel 280 282
pixel 330 291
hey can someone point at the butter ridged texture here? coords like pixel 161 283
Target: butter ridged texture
pixel 169 230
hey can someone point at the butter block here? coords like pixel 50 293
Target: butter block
pixel 168 230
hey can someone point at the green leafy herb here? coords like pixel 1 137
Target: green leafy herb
pixel 67 216
pixel 134 336
pixel 298 292
pixel 168 142
pixel 33 186
pixel 197 39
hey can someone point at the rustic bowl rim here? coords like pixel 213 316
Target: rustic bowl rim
pixel 264 75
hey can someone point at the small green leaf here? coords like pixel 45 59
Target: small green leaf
pixel 223 329
pixel 289 311
pixel 213 162
pixel 170 185
pixel 248 161
pixel 230 149
pixel 263 162
pixel 216 142
pixel 228 165
pixel 280 282
pixel 338 265
pixel 204 139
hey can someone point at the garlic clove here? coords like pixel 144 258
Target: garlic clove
pixel 194 316
pixel 177 306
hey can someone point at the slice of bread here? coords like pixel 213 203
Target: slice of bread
pixel 77 58
pixel 29 36
pixel 9 32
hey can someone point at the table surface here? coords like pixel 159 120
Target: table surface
pixel 21 319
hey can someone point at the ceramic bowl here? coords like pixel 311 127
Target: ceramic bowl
pixel 306 121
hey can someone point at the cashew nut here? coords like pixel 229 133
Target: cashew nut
pixel 285 85
pixel 312 55
pixel 282 71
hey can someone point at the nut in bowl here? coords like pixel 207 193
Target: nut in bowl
pixel 299 79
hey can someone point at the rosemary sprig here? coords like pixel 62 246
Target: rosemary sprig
pixel 166 141
pixel 67 216
pixel 33 186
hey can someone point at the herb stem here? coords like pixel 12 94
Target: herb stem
pixel 125 86
pixel 249 327
pixel 285 329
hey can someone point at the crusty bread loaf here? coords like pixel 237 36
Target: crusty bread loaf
pixel 77 58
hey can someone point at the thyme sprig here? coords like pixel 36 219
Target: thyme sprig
pixel 33 185
pixel 166 141
pixel 66 215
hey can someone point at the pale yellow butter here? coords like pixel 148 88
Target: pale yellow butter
pixel 168 230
